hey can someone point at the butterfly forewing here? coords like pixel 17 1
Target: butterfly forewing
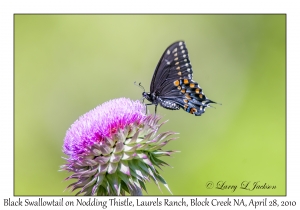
pixel 173 62
pixel 172 85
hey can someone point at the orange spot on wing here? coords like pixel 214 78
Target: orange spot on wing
pixel 187 96
pixel 186 81
pixel 193 110
pixel 176 83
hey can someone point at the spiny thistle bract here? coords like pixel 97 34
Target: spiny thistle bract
pixel 114 149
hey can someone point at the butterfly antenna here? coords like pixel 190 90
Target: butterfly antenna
pixel 139 85
pixel 142 87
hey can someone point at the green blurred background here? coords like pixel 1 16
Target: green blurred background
pixel 65 65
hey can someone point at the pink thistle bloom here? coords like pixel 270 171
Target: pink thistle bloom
pixel 114 149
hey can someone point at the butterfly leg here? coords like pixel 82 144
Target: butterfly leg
pixel 147 108
pixel 149 105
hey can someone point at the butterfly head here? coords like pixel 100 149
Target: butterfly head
pixel 147 96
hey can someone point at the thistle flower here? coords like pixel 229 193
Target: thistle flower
pixel 114 149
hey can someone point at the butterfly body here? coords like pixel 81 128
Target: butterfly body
pixel 168 104
pixel 172 84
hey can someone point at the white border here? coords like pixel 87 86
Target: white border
pixel 8 8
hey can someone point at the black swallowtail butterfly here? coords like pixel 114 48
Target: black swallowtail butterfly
pixel 172 84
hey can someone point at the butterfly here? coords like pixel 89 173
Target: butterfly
pixel 172 84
